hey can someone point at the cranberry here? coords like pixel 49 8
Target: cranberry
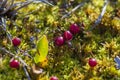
pixel 74 28
pixel 14 63
pixel 67 35
pixel 16 41
pixel 59 41
pixel 92 62
pixel 53 78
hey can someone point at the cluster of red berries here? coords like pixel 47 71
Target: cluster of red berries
pixel 14 63
pixel 67 35
pixel 59 41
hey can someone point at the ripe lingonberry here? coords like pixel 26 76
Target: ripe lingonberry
pixel 16 41
pixel 14 63
pixel 67 35
pixel 53 78
pixel 74 28
pixel 59 41
pixel 92 62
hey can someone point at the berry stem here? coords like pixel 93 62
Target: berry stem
pixel 92 54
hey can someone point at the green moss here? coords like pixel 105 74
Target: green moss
pixel 67 63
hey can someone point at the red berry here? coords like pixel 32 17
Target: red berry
pixel 16 41
pixel 67 35
pixel 59 41
pixel 14 63
pixel 92 62
pixel 74 28
pixel 53 78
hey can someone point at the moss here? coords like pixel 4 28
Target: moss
pixel 65 62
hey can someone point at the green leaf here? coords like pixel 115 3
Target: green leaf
pixel 42 48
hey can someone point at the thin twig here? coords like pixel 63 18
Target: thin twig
pixel 24 64
pixel 31 1
pixel 10 37
pixel 9 7
pixel 26 72
pixel 100 16
pixel 3 23
pixel 73 10
pixel 5 50
pixel 22 61
pixel 25 4
pixel 44 1
pixel 3 3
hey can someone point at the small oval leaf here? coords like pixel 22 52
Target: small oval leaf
pixel 42 48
